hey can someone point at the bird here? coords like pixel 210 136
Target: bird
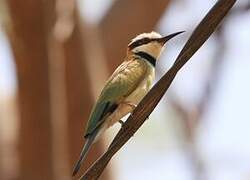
pixel 125 88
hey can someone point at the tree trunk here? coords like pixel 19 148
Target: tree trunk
pixel 79 97
pixel 28 36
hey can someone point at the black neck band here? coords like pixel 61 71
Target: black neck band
pixel 147 56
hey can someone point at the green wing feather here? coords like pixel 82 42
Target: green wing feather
pixel 122 82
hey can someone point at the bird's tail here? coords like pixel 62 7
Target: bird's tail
pixel 85 149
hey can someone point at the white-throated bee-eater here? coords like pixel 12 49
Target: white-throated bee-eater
pixel 125 88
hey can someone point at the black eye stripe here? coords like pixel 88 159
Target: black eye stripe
pixel 140 42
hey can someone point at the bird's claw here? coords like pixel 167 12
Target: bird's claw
pixel 132 105
pixel 121 122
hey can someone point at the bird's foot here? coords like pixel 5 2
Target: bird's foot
pixel 132 105
pixel 121 122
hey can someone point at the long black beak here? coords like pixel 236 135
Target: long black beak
pixel 163 40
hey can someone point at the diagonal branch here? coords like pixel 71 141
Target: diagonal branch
pixel 149 102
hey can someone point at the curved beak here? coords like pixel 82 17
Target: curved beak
pixel 163 40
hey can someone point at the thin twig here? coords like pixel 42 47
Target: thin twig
pixel 149 102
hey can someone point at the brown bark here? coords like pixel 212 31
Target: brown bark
pixel 28 36
pixel 124 21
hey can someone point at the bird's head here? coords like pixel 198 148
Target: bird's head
pixel 150 43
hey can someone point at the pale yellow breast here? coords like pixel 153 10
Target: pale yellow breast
pixel 136 96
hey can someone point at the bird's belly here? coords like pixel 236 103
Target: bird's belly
pixel 134 98
pixel 121 111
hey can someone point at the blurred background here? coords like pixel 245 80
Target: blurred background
pixel 55 56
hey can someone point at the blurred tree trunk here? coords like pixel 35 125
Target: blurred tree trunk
pixel 79 98
pixel 1 158
pixel 124 21
pixel 28 35
pixel 78 94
